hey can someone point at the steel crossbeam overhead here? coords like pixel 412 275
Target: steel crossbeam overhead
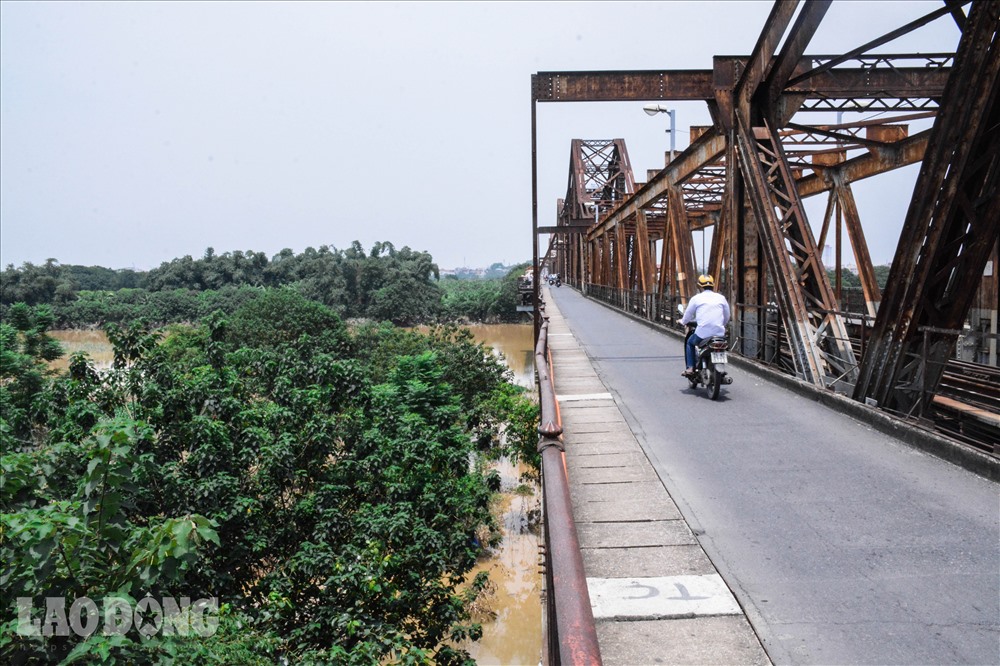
pixel 746 177
pixel 881 79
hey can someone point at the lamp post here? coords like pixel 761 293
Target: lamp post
pixel 652 110
pixel 704 264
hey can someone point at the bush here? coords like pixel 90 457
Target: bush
pixel 316 481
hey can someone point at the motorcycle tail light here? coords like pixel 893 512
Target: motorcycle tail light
pixel 719 345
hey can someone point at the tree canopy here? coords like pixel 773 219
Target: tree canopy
pixel 381 284
pixel 325 484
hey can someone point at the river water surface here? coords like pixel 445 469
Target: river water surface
pixel 512 629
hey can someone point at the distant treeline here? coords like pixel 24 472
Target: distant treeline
pixel 850 280
pixel 382 284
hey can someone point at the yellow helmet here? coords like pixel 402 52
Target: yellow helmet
pixel 706 281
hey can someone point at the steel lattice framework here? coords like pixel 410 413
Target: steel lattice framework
pixel 747 175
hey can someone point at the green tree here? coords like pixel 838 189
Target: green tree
pixel 35 285
pixel 25 347
pixel 316 480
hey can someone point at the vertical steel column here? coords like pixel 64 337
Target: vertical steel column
pixel 862 259
pixel 681 244
pixel 642 252
pixel 950 229
pixel 536 319
pixel 817 336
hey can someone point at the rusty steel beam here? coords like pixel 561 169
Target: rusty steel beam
pixel 763 90
pixel 730 264
pixel 956 12
pixel 720 249
pixel 627 228
pixel 901 153
pixel 644 271
pixel 600 174
pixel 862 258
pixel 950 229
pixel 817 336
pixel 884 39
pixel 758 66
pixel 621 86
pixel 879 82
pixel 791 54
pixel 620 258
pixel 666 268
pixel 701 85
pixel 704 150
pixel 682 245
pixel 820 135
pixel 605 261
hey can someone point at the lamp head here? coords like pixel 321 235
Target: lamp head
pixel 653 109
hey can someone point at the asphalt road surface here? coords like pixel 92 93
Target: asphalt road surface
pixel 843 545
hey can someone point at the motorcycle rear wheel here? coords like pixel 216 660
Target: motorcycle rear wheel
pixel 713 384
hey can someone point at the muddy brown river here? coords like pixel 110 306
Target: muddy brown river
pixel 512 629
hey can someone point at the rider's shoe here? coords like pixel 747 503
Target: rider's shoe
pixel 689 373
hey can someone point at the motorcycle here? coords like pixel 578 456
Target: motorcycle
pixel 710 368
pixel 555 280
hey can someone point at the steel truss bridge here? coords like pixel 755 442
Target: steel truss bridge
pixel 746 176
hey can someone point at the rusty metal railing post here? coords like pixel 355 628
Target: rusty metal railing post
pixel 572 637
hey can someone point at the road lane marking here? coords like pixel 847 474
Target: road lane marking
pixel 661 597
pixel 584 396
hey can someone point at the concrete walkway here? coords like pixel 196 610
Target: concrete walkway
pixel 656 597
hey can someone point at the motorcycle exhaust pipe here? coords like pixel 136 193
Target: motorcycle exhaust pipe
pixel 728 379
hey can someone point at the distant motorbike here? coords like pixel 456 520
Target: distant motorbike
pixel 710 369
pixel 555 280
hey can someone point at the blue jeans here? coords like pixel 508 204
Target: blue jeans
pixel 691 351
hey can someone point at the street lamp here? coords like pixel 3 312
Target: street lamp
pixel 652 110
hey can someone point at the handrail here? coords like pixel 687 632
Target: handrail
pixel 550 426
pixel 572 637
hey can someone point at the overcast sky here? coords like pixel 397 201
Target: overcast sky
pixel 135 132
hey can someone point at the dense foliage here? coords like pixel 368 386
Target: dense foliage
pixel 326 485
pixel 489 300
pixel 156 307
pixel 849 279
pixel 382 284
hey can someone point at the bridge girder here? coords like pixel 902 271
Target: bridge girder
pixel 950 230
pixel 747 175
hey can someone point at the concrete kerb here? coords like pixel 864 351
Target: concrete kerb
pixel 947 449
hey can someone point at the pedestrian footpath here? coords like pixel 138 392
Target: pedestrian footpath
pixel 656 597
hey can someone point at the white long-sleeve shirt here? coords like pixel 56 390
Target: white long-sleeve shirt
pixel 710 311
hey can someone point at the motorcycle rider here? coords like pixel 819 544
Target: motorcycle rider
pixel 710 311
